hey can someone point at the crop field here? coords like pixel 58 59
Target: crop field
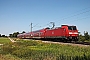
pixel 37 50
pixel 4 40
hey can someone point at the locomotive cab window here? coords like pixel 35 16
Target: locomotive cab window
pixel 72 27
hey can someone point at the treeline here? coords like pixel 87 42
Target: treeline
pixel 2 35
pixel 85 37
pixel 15 34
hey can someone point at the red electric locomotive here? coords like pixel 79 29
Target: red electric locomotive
pixel 64 32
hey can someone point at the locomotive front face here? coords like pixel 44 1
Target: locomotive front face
pixel 72 32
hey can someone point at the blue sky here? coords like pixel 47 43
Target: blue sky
pixel 16 15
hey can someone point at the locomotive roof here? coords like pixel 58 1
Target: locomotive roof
pixel 67 25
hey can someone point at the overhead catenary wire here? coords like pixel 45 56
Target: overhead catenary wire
pixel 78 14
pixel 79 19
pixel 75 15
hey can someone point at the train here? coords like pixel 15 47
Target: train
pixel 65 32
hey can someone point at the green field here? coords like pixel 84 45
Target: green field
pixel 4 40
pixel 36 50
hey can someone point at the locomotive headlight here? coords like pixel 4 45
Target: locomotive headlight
pixel 70 33
pixel 73 33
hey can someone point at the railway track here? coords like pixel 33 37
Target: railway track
pixel 73 42
pixel 66 43
pixel 86 44
pixel 83 43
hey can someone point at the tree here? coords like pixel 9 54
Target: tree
pixel 15 34
pixel 10 35
pixel 3 36
pixel 86 35
pixel 81 38
pixel 0 35
pixel 23 32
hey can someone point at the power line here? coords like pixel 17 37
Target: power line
pixel 77 14
pixel 63 19
pixel 79 19
pixel 72 15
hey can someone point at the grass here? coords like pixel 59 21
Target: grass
pixel 8 57
pixel 4 40
pixel 36 50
